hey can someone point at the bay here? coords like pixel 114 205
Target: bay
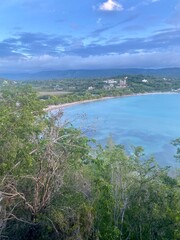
pixel 150 121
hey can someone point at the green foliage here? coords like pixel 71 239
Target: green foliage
pixel 20 123
pixel 72 90
pixel 134 199
pixel 53 185
pixel 176 143
pixel 36 158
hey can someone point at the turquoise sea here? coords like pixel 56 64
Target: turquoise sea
pixel 150 121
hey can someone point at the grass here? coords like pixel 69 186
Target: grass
pixel 51 93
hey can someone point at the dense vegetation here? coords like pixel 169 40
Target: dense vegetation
pixel 71 90
pixel 53 185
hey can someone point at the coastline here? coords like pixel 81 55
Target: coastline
pixel 65 105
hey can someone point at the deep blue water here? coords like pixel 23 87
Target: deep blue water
pixel 151 121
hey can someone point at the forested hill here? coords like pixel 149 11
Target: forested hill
pixel 164 72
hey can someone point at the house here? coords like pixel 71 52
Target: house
pixel 90 88
pixel 123 83
pixel 145 81
pixel 110 81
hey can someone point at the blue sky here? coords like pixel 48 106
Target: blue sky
pixel 41 35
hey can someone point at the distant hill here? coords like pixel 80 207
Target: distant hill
pixel 45 75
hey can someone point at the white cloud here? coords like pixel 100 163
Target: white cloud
pixel 126 60
pixel 111 5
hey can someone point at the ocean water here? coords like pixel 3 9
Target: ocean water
pixel 150 121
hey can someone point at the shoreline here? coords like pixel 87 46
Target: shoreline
pixel 64 105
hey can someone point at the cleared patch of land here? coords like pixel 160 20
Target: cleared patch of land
pixel 52 93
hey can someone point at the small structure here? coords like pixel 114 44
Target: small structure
pixel 72 88
pixel 145 81
pixel 110 81
pixel 123 83
pixel 90 88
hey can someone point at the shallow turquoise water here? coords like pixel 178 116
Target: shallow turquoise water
pixel 151 121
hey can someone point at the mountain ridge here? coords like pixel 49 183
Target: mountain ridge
pixel 87 73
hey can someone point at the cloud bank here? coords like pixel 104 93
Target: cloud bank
pixel 132 60
pixel 29 52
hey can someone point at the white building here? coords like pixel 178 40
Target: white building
pixel 144 80
pixel 110 81
pixel 90 88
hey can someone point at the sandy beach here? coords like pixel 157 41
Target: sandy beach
pixel 52 107
pixel 64 105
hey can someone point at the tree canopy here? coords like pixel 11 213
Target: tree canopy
pixel 54 185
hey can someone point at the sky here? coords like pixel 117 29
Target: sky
pixel 37 35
